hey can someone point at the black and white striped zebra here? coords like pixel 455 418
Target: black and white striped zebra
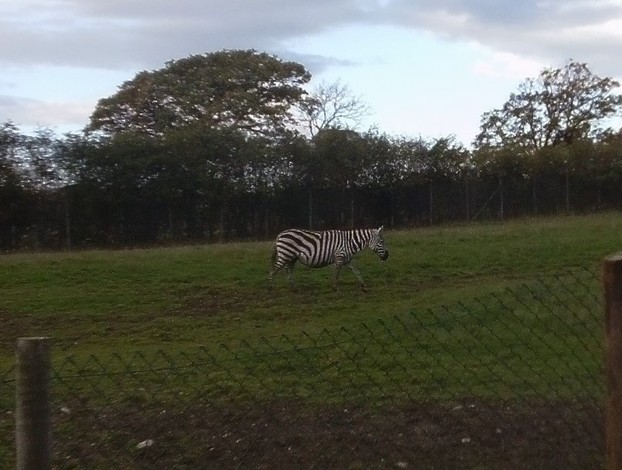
pixel 319 249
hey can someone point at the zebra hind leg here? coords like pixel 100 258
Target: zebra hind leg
pixel 289 270
pixel 289 274
pixel 275 269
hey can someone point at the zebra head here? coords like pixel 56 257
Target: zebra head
pixel 376 243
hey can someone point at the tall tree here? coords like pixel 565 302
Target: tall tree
pixel 395 164
pixel 335 161
pixel 10 143
pixel 444 160
pixel 17 196
pixel 559 106
pixel 42 159
pixel 233 89
pixel 331 105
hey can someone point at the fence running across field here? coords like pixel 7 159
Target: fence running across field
pixel 514 379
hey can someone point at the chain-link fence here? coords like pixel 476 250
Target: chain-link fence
pixel 509 380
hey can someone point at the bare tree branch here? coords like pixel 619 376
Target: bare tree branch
pixel 332 106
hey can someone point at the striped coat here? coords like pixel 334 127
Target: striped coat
pixel 319 249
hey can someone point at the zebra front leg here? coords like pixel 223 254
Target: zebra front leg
pixel 357 273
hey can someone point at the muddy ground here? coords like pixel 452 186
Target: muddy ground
pixel 472 435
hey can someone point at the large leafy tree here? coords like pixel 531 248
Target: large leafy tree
pixel 561 105
pixel 541 121
pixel 242 90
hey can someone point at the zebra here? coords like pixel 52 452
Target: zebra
pixel 319 249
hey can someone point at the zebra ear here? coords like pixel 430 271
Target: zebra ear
pixel 380 229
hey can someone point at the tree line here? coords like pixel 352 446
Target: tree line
pixel 229 145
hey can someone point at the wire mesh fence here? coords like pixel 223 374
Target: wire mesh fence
pixel 510 380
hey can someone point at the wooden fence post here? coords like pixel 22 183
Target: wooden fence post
pixel 612 283
pixel 32 403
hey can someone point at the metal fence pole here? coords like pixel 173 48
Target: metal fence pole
pixel 32 414
pixel 612 283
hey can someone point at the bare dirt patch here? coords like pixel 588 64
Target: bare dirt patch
pixel 289 435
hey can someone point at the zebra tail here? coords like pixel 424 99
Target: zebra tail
pixel 273 257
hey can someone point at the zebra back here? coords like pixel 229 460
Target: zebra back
pixel 321 248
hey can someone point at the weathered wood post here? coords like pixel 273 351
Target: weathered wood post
pixel 32 403
pixel 612 283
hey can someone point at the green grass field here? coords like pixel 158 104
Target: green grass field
pixel 496 313
pixel 98 301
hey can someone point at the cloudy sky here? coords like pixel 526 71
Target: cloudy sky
pixel 426 68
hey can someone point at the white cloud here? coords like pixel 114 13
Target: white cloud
pixel 507 65
pixel 548 32
pixel 30 113
pixel 120 34
pixel 112 40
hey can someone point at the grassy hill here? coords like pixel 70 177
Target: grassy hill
pixel 482 328
pixel 196 295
